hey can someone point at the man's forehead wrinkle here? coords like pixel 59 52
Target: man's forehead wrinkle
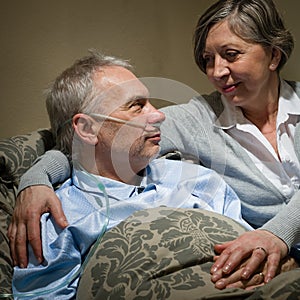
pixel 102 80
pixel 115 75
pixel 134 89
pixel 130 89
pixel 117 87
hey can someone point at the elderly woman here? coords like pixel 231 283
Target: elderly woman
pixel 251 123
pixel 247 130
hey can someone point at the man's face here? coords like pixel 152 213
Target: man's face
pixel 126 98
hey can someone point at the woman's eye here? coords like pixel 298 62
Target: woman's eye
pixel 207 59
pixel 231 55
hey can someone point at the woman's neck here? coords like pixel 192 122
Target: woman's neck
pixel 263 114
pixel 264 119
pixel 263 111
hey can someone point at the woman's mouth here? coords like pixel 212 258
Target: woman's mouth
pixel 230 88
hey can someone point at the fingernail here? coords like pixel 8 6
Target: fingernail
pixel 214 270
pixel 226 269
pixel 215 277
pixel 22 266
pixel 220 284
pixel 245 275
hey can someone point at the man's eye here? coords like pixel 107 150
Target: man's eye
pixel 136 106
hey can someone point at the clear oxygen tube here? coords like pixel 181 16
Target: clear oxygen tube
pixel 79 272
pixel 154 127
pixel 145 126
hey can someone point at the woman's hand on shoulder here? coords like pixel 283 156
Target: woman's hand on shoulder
pixel 31 203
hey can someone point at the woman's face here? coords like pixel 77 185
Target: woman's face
pixel 241 71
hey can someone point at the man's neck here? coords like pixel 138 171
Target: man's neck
pixel 128 177
pixel 119 171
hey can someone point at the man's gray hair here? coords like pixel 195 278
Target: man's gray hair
pixel 71 93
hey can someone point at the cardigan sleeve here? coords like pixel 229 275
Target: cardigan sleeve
pixel 286 223
pixel 49 169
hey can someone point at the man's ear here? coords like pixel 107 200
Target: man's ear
pixel 85 128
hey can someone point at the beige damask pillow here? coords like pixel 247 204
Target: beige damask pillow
pixel 161 253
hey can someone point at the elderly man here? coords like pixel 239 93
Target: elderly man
pixel 100 113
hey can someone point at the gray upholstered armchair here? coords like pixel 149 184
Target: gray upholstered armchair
pixel 16 155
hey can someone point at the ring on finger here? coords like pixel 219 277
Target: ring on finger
pixel 262 275
pixel 261 248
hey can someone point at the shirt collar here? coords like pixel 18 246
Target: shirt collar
pixel 289 104
pixel 93 183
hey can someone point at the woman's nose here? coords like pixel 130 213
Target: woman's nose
pixel 220 68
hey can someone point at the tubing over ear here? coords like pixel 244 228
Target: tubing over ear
pixel 85 128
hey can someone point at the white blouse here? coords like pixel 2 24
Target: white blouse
pixel 283 172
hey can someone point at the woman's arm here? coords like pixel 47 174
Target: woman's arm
pixel 35 197
pixel 49 169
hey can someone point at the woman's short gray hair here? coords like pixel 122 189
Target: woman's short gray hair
pixel 255 21
pixel 70 93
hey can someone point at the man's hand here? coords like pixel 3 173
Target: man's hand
pixel 31 203
pixel 258 246
pixel 235 280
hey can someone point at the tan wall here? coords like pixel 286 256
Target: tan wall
pixel 39 38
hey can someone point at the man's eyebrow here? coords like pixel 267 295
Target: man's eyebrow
pixel 136 98
pixel 140 97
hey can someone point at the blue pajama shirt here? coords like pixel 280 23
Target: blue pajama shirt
pixel 166 183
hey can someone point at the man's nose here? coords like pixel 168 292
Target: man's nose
pixel 154 115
